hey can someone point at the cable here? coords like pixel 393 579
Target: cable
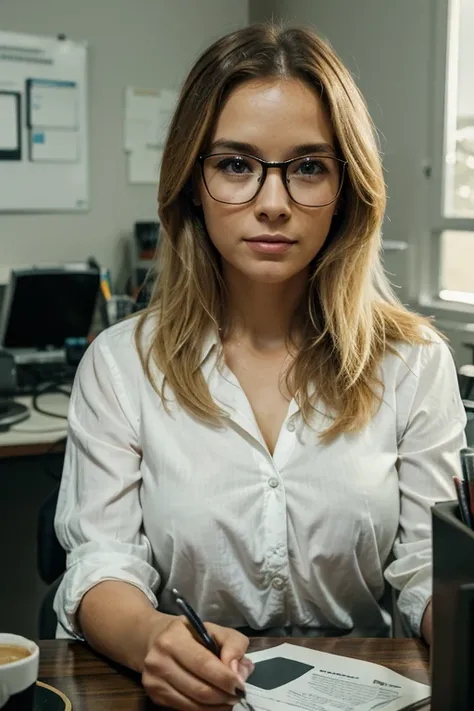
pixel 50 388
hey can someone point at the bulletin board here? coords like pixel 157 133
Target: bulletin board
pixel 43 124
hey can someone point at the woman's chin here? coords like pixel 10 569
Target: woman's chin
pixel 271 272
pixel 264 271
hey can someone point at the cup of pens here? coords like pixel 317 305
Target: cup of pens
pixel 453 596
pixel 118 308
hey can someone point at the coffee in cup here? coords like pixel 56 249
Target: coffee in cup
pixel 12 653
pixel 19 659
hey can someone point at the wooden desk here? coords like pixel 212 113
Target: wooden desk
pixel 94 684
pixel 39 433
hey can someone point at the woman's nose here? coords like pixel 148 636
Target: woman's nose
pixel 273 201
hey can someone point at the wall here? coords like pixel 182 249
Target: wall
pixel 150 43
pixel 261 10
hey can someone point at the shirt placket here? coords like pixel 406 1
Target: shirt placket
pixel 274 573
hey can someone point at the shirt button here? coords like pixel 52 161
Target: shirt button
pixel 290 426
pixel 273 482
pixel 278 583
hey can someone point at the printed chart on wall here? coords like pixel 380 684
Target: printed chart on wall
pixel 148 114
pixel 43 124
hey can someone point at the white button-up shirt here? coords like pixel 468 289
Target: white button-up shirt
pixel 304 538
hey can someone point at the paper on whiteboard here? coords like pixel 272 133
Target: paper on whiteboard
pixel 53 146
pixel 147 117
pixel 144 165
pixel 288 677
pixel 9 138
pixel 141 118
pixel 52 104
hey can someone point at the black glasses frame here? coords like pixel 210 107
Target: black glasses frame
pixel 282 165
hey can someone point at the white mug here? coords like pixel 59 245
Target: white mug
pixel 18 679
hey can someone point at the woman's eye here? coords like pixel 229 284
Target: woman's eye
pixel 310 168
pixel 234 165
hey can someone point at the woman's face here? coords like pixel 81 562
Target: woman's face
pixel 274 120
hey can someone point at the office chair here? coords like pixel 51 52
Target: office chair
pixel 51 561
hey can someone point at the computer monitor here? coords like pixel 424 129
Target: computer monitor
pixel 45 306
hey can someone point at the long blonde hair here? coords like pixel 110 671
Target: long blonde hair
pixel 350 317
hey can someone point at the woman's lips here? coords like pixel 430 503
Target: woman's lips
pixel 271 245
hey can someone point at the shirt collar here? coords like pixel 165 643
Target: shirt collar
pixel 211 341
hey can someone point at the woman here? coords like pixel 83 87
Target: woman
pixel 270 434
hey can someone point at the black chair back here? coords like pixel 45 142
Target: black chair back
pixel 51 557
pixel 51 561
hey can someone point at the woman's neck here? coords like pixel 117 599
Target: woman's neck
pixel 262 314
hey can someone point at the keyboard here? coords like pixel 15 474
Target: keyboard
pixel 32 377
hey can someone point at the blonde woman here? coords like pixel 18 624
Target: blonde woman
pixel 270 434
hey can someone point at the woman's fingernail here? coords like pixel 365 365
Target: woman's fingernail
pixel 248 663
pixel 243 672
pixel 234 665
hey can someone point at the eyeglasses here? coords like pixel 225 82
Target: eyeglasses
pixel 235 179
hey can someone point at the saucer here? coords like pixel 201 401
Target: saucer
pixel 47 698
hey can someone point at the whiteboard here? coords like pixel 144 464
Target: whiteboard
pixel 43 80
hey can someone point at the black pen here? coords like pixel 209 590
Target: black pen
pixel 467 465
pixel 198 626
pixel 196 623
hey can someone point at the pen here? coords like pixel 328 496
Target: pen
pixel 196 622
pixel 105 284
pixel 198 626
pixel 467 465
pixel 105 290
pixel 462 492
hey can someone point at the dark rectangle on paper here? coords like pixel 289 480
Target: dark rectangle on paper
pixel 272 673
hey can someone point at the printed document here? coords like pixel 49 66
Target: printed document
pixel 289 677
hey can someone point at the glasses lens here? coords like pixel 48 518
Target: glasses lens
pixel 314 180
pixel 232 178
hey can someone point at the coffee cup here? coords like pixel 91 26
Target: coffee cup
pixel 19 660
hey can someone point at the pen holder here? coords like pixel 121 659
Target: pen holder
pixel 118 308
pixel 453 611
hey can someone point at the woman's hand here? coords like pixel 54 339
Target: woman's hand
pixel 180 672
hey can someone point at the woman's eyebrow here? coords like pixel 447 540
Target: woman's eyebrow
pixel 294 151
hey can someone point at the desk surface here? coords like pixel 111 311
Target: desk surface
pixel 94 684
pixel 38 433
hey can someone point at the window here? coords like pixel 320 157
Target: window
pixel 453 223
pixel 457 266
pixel 459 173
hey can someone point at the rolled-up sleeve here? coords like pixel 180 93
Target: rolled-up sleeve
pixel 99 516
pixel 433 421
